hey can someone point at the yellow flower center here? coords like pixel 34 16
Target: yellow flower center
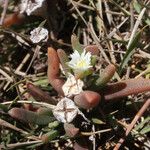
pixel 81 63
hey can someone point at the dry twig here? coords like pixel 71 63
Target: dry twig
pixel 132 124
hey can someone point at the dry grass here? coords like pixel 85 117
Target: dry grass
pixel 119 28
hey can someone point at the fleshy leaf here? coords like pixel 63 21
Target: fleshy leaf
pixel 76 44
pixel 106 75
pixel 39 95
pixel 63 60
pixel 125 88
pixel 30 116
pixel 87 99
pixel 53 71
pixel 50 136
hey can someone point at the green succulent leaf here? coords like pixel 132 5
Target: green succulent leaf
pixel 97 121
pixel 30 116
pixel 130 51
pixel 50 136
pixel 76 44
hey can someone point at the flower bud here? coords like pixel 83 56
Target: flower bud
pixel 106 75
pixel 39 95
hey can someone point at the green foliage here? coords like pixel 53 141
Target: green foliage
pixel 130 51
pixel 76 44
pixel 30 116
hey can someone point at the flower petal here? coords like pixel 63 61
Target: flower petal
pixel 80 63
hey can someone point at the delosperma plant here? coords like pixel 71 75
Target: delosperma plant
pixel 60 94
pixel 68 77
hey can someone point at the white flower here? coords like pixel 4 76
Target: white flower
pixel 39 34
pixel 65 111
pixel 30 6
pixel 80 62
pixel 72 86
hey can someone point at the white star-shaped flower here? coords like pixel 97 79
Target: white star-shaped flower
pixel 72 86
pixel 39 34
pixel 65 111
pixel 80 62
pixel 30 6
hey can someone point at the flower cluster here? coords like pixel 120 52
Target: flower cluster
pixel 66 110
pixel 79 63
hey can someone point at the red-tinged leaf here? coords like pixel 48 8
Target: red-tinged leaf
pixel 54 72
pixel 13 19
pixel 93 49
pixel 39 95
pixel 125 88
pixel 71 130
pixel 87 99
pixel 106 75
pixel 53 64
pixel 29 116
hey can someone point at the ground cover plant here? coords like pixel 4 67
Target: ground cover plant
pixel 74 74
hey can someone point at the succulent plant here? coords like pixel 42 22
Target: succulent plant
pixel 70 105
pixel 101 88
